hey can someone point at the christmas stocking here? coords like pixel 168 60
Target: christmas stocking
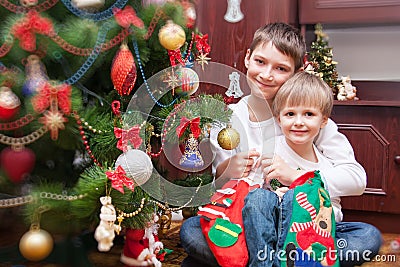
pixel 311 237
pixel 222 224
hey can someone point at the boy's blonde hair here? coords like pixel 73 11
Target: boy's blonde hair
pixel 287 39
pixel 304 89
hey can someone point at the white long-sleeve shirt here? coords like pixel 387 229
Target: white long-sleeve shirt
pixel 346 178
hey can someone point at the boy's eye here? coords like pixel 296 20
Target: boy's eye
pixel 260 61
pixel 282 69
pixel 290 113
pixel 309 113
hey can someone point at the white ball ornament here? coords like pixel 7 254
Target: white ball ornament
pixel 137 165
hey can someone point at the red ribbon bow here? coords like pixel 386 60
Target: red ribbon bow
pixel 60 94
pixel 202 44
pixel 26 28
pixel 175 55
pixel 119 179
pixel 125 136
pixel 194 126
pixel 126 17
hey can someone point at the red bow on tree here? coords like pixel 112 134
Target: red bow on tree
pixel 26 28
pixel 202 44
pixel 126 17
pixel 125 136
pixel 59 94
pixel 194 126
pixel 175 55
pixel 119 179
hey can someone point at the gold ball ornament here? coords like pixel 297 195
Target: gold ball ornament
pixel 228 138
pixel 171 36
pixel 36 245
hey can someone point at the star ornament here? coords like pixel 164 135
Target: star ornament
pixel 172 80
pixel 202 59
pixel 119 179
pixel 54 121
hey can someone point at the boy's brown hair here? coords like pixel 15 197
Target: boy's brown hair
pixel 287 39
pixel 306 89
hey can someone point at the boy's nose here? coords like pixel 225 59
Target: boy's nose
pixel 267 74
pixel 299 121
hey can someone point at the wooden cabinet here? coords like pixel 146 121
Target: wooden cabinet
pixel 372 126
pixel 345 11
pixel 229 41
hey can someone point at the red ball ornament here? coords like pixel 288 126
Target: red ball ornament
pixel 17 163
pixel 123 71
pixel 9 104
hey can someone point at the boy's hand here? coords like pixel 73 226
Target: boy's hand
pixel 237 166
pixel 277 168
pixel 242 163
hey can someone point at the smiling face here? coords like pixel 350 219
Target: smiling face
pixel 301 124
pixel 267 70
pixel 302 107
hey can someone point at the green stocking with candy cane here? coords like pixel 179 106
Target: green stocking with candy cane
pixel 311 237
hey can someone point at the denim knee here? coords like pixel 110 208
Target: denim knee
pixel 261 199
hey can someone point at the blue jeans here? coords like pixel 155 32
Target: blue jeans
pixel 262 208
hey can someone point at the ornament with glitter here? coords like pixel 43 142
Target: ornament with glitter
pixel 191 158
pixel 123 71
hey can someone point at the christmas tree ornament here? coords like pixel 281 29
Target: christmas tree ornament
pixel 126 17
pixel 137 165
pixel 188 81
pixel 88 4
pixel 202 60
pixel 119 180
pixel 9 104
pixel 233 13
pixel 36 244
pixel 123 71
pixel 228 138
pixel 128 137
pixel 104 233
pixel 193 124
pixel 171 36
pixel 203 49
pixel 36 76
pixel 142 246
pixel 189 12
pixel 234 85
pixel 191 158
pixel 53 101
pixel 26 28
pixel 189 63
pixel 28 3
pixel 17 162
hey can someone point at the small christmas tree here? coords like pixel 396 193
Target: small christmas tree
pixel 320 56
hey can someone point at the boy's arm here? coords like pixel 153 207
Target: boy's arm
pixel 347 177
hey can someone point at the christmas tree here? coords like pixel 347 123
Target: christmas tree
pixel 83 126
pixel 320 57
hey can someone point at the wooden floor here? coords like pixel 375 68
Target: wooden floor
pixel 11 235
pixel 387 257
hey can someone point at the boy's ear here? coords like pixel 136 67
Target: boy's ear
pixel 247 58
pixel 324 122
